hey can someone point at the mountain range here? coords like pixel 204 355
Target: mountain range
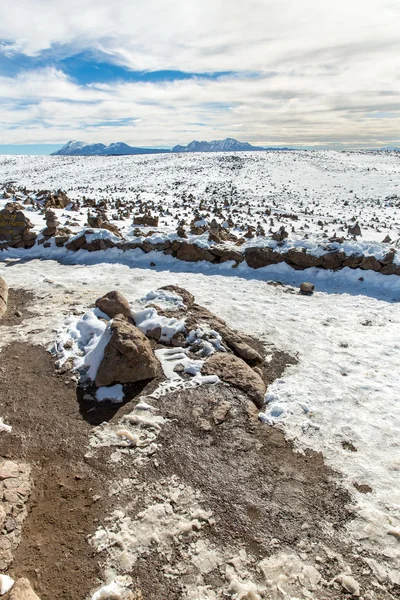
pixel 74 148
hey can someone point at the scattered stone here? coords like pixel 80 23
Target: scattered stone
pixel 350 584
pixel 128 356
pixel 306 288
pixel 114 303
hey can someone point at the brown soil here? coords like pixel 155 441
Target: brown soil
pixel 17 307
pixel 50 434
pixel 263 495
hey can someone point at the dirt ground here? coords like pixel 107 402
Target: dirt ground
pixel 264 496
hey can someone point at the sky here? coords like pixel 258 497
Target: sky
pixel 306 73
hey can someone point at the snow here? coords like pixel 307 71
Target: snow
pixel 343 391
pixel 6 583
pixel 115 393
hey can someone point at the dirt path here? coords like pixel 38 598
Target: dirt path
pixel 50 434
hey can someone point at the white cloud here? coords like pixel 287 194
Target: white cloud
pixel 323 68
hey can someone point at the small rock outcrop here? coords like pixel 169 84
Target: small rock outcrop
pixel 3 297
pixel 128 356
pixel 235 371
pixel 114 303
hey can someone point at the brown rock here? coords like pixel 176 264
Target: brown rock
pixel 13 224
pixel 128 356
pixel 353 261
pixel 235 371
pixel 231 338
pixel 333 260
pixel 261 257
pixel 22 590
pixel 389 269
pixel 146 220
pixel 114 303
pixel 76 243
pixel 369 263
pixel 113 228
pixel 193 253
pixel 306 288
pixel 302 259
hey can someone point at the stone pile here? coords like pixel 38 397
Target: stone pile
pixel 129 356
pixel 15 228
pixel 51 224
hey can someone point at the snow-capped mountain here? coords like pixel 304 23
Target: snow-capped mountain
pixel 228 145
pixel 74 148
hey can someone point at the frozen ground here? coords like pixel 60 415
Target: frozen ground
pixel 342 396
pixel 316 196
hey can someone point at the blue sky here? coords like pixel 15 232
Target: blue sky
pixel 310 74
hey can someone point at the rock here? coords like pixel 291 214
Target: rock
pixel 221 411
pixel 350 585
pixel 235 371
pixel 302 259
pixel 57 200
pixel 355 230
pixel 333 260
pixel 187 297
pixel 8 470
pixel 146 220
pixel 3 296
pixel 233 340
pixel 76 243
pixel 306 288
pixel 353 261
pixel 389 269
pixel 225 254
pixel 13 225
pixel 114 303
pixel 128 356
pixel 261 257
pixel 369 263
pixel 193 253
pixel 22 590
pixel 113 228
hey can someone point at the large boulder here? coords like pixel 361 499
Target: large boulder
pixel 261 257
pixel 302 259
pixel 235 371
pixel 3 297
pixel 114 303
pixel 369 263
pixel 22 590
pixel 193 253
pixel 333 260
pixel 128 356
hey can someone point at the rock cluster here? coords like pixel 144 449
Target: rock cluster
pixel 129 357
pixel 15 228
